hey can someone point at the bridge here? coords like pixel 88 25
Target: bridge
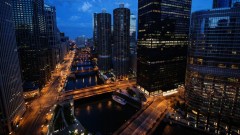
pixel 146 120
pixel 95 90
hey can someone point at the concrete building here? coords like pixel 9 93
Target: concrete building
pixel 121 46
pixel 95 32
pixel 81 41
pixel 52 35
pixel 64 45
pixel 133 36
pixel 104 41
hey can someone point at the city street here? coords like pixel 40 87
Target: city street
pixel 36 112
pixel 34 120
pixel 147 119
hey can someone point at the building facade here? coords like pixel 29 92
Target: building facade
pixel 64 45
pixel 104 41
pixel 224 3
pixel 30 28
pixel 52 31
pixel 121 46
pixel 95 32
pixel 221 3
pixel 213 70
pixel 133 27
pixel 81 41
pixel 163 28
pixel 12 104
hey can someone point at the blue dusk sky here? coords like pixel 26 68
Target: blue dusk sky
pixel 74 17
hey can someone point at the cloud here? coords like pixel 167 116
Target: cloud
pixel 74 18
pixel 85 7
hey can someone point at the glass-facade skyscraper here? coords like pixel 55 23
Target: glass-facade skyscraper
pixel 224 3
pixel 213 70
pixel 121 47
pixel 221 3
pixel 163 28
pixel 104 41
pixel 12 104
pixel 30 28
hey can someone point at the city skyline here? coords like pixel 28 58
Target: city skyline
pixel 78 20
pixel 139 67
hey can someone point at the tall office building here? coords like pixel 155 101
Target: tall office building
pixel 133 44
pixel 64 46
pixel 104 40
pixel 224 3
pixel 30 28
pixel 213 70
pixel 12 104
pixel 133 41
pixel 81 41
pixel 163 28
pixel 52 35
pixel 95 31
pixel 221 3
pixel 121 47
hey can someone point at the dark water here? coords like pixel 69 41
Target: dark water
pixel 101 114
pixel 83 79
pixel 166 129
pixel 82 82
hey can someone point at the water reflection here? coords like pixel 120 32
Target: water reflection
pixel 82 82
pixel 100 106
pixel 118 107
pixel 88 109
pixel 109 105
pixel 102 115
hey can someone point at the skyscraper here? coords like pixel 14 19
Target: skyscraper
pixel 81 41
pixel 133 42
pixel 163 28
pixel 52 35
pixel 12 104
pixel 121 47
pixel 213 70
pixel 221 3
pixel 30 28
pixel 104 40
pixel 64 46
pixel 224 3
pixel 95 30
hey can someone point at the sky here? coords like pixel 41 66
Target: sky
pixel 74 17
